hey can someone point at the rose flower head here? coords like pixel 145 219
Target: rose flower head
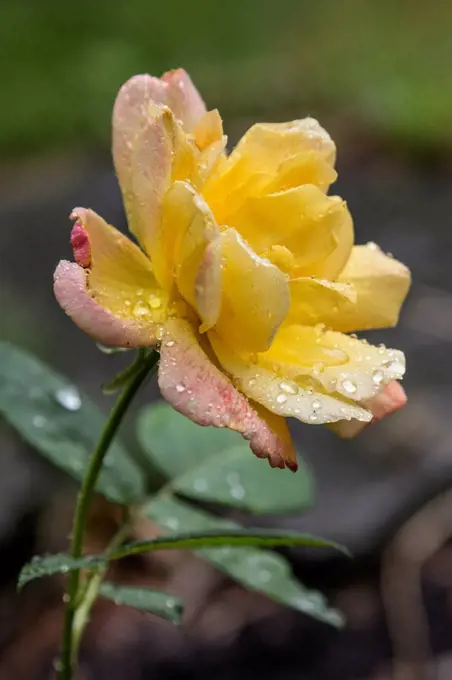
pixel 246 275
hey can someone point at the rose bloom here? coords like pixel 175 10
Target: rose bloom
pixel 246 276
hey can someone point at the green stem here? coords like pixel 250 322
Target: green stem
pixel 67 660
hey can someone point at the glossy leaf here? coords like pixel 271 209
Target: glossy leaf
pixel 166 606
pixel 261 570
pixel 47 565
pixel 62 424
pixel 213 464
pixel 236 478
pixel 176 444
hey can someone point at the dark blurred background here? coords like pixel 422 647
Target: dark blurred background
pixel 377 76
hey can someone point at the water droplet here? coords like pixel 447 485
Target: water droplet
pixel 395 366
pixel 377 376
pixel 264 576
pixel 281 398
pixel 64 569
pixel 381 349
pixel 170 343
pixel 127 303
pixel 154 301
pixel 316 404
pixel 372 246
pixel 180 387
pixel 233 478
pixel 349 386
pixel 39 421
pixel 313 417
pixel 318 368
pixel 251 382
pixel 237 491
pixel 289 387
pixel 200 485
pixel 69 398
pixel 172 522
pixel 140 309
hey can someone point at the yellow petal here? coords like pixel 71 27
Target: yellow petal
pixel 271 157
pixel 197 270
pixel 381 284
pixel 120 276
pixel 336 362
pixel 255 296
pixel 208 130
pixel 315 228
pixel 314 301
pixel 281 395
pixel 183 98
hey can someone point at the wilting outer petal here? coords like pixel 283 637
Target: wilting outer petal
pixel 315 228
pixel 120 275
pixel 338 363
pixel 381 284
pixel 71 292
pixel 195 387
pixel 281 396
pixel 183 98
pixel 388 401
pixel 255 296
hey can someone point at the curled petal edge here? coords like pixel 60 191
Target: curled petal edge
pixel 388 401
pixel 73 296
pixel 199 390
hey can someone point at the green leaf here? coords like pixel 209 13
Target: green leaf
pixel 261 570
pixel 47 565
pixel 176 444
pixel 62 424
pixel 166 606
pixel 213 464
pixel 237 478
pixel 221 534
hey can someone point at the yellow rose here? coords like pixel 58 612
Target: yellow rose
pixel 247 277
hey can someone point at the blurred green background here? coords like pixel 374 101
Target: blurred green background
pixel 385 64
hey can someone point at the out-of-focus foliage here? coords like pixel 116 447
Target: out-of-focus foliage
pixel 383 63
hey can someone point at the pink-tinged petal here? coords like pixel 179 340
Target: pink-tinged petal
pixel 71 292
pixel 80 244
pixel 388 401
pixel 197 388
pixel 183 98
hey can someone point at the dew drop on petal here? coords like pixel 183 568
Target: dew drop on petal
pixel 290 388
pixel 281 398
pixel 69 398
pixel 140 309
pixel 180 387
pixel 316 404
pixel 170 343
pixel 349 386
pixel 313 417
pixel 155 302
pixel 377 376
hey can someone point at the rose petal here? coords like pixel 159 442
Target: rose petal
pixel 314 301
pixel 120 275
pixel 255 296
pixel 183 98
pixel 315 228
pixel 338 363
pixel 388 401
pixel 72 294
pixel 280 394
pixel 381 284
pixel 197 388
